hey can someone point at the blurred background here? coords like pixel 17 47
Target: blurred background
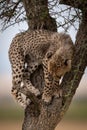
pixel 11 114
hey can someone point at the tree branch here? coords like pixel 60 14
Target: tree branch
pixel 9 12
pixel 80 4
pixel 51 115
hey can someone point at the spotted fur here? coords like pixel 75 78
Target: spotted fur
pixel 30 49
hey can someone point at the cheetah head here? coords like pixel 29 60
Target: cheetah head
pixel 59 63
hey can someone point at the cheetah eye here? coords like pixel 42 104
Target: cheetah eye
pixel 49 54
pixel 58 65
pixel 66 62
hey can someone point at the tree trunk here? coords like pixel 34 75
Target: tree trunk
pixel 39 116
pixel 38 17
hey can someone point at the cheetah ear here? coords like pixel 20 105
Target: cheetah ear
pixel 49 54
pixel 67 62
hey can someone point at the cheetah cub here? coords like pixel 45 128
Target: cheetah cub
pixel 30 49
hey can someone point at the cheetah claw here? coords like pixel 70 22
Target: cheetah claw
pixel 58 94
pixel 46 99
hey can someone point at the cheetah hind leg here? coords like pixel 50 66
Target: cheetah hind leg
pixel 19 98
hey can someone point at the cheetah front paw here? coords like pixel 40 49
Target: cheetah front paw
pixel 46 99
pixel 25 103
pixel 58 94
pixel 36 92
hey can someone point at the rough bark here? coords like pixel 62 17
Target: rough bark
pixel 42 117
pixel 38 17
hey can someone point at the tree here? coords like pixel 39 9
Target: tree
pixel 39 116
